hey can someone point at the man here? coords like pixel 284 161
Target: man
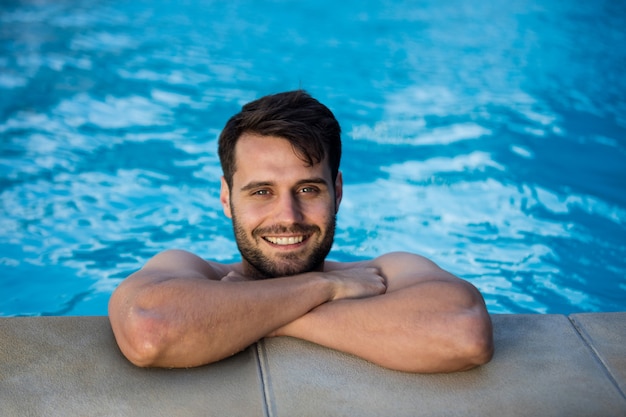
pixel 282 189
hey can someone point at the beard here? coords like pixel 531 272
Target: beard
pixel 282 265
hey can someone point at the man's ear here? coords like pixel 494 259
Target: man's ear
pixel 338 191
pixel 225 198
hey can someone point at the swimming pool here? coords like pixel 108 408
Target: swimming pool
pixel 488 137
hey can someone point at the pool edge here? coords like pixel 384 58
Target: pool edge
pixel 544 365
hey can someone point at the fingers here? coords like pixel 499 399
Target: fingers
pixel 358 283
pixel 234 277
pixel 373 275
pixel 376 273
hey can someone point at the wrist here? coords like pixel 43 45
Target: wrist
pixel 325 286
pixel 281 331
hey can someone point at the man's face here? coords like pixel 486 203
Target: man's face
pixel 283 211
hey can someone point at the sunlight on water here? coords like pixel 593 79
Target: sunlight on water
pixel 490 139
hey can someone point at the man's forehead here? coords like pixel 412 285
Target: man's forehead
pixel 260 157
pixel 255 140
pixel 254 145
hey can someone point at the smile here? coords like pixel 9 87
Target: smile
pixel 283 241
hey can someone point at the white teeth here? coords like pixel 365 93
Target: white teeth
pixel 285 240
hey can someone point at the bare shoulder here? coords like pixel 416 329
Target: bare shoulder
pixel 402 269
pixel 180 263
pixel 387 262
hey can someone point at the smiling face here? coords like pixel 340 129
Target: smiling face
pixel 283 211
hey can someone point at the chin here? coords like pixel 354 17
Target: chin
pixel 280 269
pixel 289 270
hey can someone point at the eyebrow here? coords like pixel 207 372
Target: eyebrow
pixel 260 184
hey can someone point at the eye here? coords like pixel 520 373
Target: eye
pixel 262 192
pixel 309 190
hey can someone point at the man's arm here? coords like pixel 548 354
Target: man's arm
pixel 427 321
pixel 175 311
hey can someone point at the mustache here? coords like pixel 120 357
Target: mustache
pixel 294 229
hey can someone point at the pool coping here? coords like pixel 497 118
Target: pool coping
pixel 549 365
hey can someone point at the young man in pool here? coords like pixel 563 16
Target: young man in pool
pixel 282 189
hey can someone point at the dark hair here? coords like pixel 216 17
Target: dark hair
pixel 307 124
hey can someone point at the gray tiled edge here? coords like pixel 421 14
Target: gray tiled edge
pixel 544 365
pixel 70 366
pixel 541 367
pixel 606 335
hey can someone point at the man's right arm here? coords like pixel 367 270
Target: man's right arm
pixel 175 311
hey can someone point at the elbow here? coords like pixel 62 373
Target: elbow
pixel 144 347
pixel 466 343
pixel 475 341
pixel 140 339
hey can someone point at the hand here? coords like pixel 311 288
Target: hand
pixel 356 283
pixel 234 276
pixel 348 283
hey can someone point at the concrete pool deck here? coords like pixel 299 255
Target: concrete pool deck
pixel 544 365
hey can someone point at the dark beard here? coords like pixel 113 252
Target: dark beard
pixel 290 264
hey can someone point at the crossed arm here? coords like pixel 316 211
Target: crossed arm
pixel 400 311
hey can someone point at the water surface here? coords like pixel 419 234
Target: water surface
pixel 487 136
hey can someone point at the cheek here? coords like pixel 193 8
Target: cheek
pixel 246 217
pixel 320 215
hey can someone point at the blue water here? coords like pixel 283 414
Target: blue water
pixel 488 136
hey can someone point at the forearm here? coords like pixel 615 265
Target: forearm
pixel 405 330
pixel 190 322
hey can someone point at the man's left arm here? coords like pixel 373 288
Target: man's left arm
pixel 427 321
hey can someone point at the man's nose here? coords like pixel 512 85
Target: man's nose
pixel 288 209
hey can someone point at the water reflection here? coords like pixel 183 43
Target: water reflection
pixel 488 138
pixel 468 189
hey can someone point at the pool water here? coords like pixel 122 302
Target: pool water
pixel 487 136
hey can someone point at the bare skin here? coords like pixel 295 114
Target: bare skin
pixel 399 310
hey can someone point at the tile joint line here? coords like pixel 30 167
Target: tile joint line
pixel 587 341
pixel 264 377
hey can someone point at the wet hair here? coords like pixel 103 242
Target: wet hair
pixel 307 124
